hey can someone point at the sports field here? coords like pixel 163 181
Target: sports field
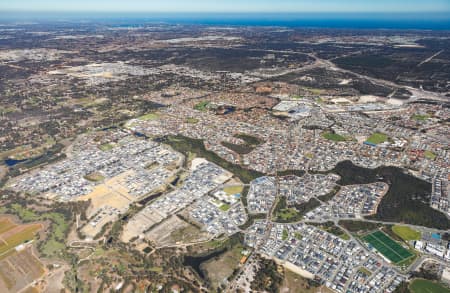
pixel 333 136
pixel 387 247
pixel 377 138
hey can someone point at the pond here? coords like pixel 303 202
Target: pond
pixel 12 162
pixel 196 262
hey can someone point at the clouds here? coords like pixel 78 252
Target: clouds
pixel 227 5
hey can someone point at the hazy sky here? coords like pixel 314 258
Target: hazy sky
pixel 228 5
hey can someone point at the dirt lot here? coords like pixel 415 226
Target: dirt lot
pixel 54 280
pixel 143 219
pixel 218 270
pixel 104 197
pixel 294 283
pixel 110 193
pixel 175 231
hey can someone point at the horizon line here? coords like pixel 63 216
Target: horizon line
pixel 229 12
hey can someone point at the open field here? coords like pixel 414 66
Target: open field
pixel 406 233
pixel 6 224
pixel 106 147
pixel 18 270
pixel 331 228
pixel 233 189
pixel 224 207
pixel 54 280
pixel 287 214
pixel 218 269
pixel 420 117
pixel 202 106
pixel 110 193
pixel 388 247
pixel 15 153
pixel 333 136
pixel 430 155
pixel 54 244
pixel 103 199
pixel 377 138
pixel 12 235
pixel 426 286
pixel 150 117
pixel 108 200
pixel 192 120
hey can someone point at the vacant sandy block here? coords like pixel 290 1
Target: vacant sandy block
pixel 104 198
pixel 341 100
pixel 345 81
pixel 91 231
pixel 111 193
pixel 109 199
pixel 368 99
pixel 140 223
pixel 395 102
pixel 164 229
pixel 197 162
pixel 224 177
pixel 55 281
pixel 296 269
pixel 175 231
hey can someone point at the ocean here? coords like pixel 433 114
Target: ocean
pixel 421 21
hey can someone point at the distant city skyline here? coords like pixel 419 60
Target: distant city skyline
pixel 233 6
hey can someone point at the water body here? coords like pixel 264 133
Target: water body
pixel 196 262
pixel 175 181
pixel 12 162
pixel 140 134
pixel 434 21
pixel 150 198
pixel 226 110
pixel 425 20
pixel 109 128
pixel 51 155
